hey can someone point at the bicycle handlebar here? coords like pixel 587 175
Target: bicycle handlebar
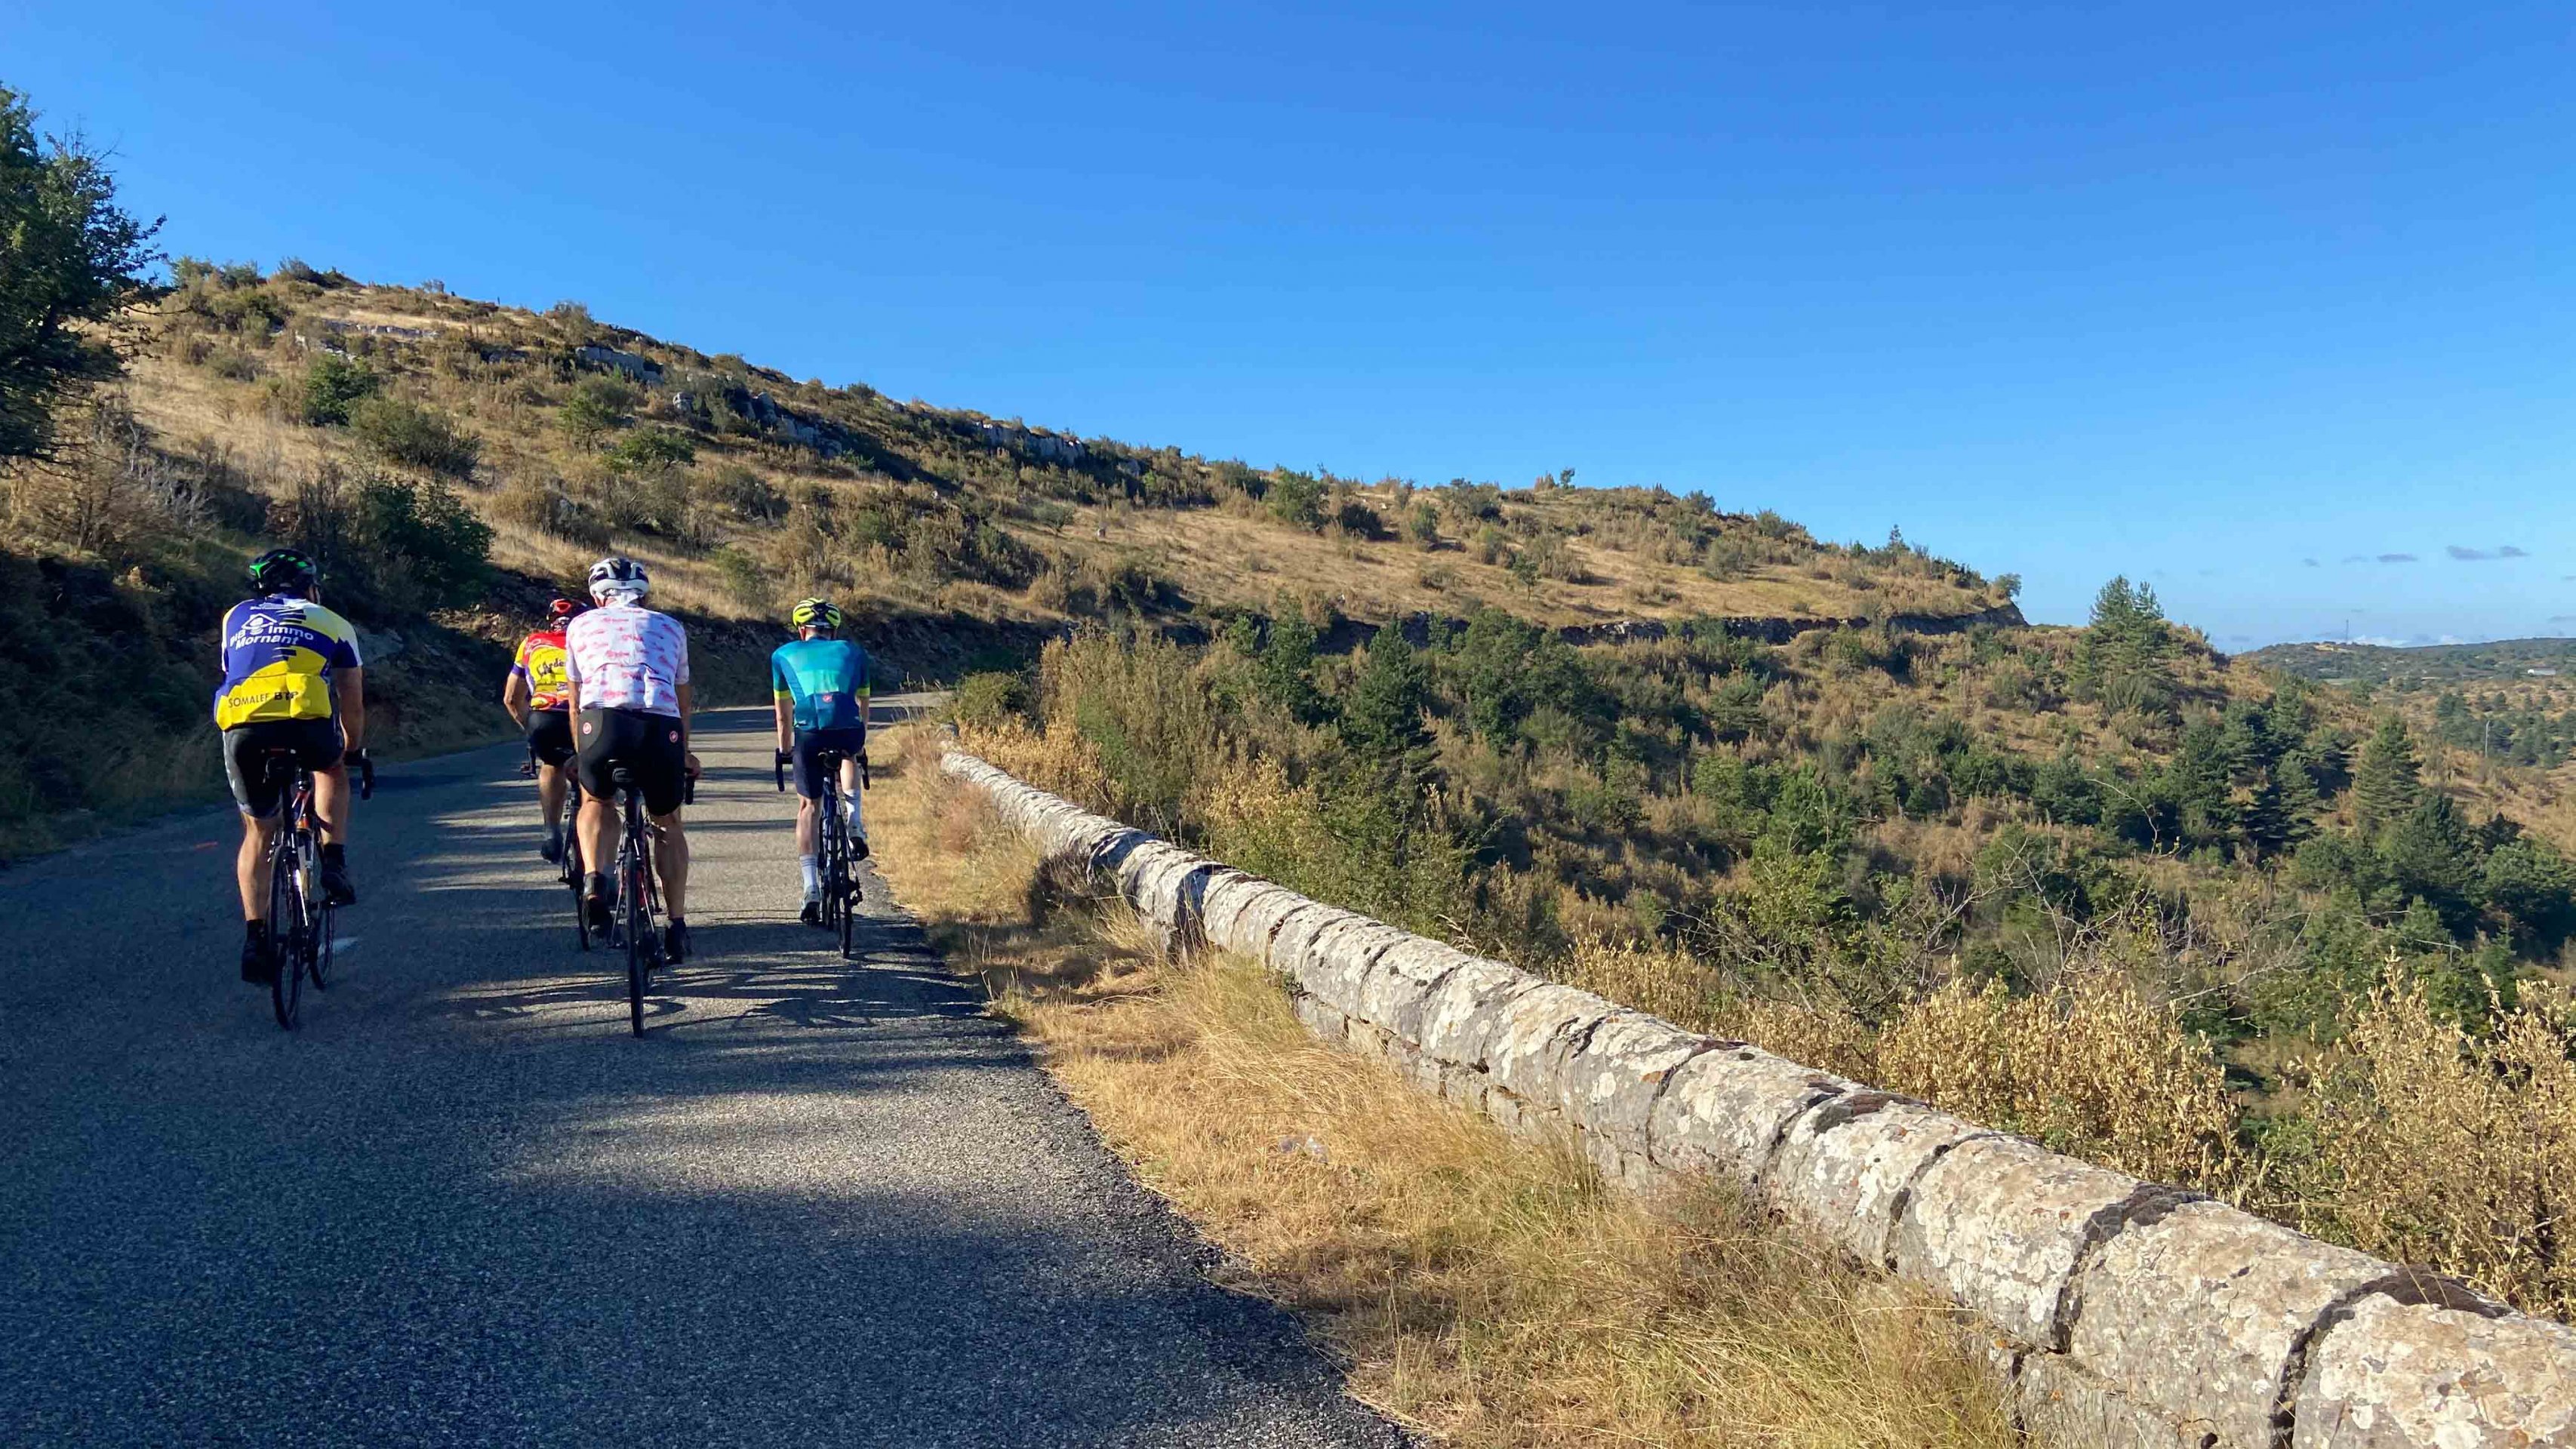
pixel 783 758
pixel 366 775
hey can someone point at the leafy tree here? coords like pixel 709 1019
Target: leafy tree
pixel 596 406
pixel 71 261
pixel 2388 781
pixel 333 385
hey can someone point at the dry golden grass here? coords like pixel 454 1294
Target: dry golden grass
pixel 1484 1289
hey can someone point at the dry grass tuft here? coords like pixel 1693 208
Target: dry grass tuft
pixel 1490 1291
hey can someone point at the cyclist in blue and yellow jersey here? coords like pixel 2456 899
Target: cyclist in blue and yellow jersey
pixel 821 687
pixel 292 678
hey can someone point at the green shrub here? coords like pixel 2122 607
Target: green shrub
pixel 653 448
pixel 408 432
pixel 989 698
pixel 742 576
pixel 421 544
pixel 1296 498
pixel 333 385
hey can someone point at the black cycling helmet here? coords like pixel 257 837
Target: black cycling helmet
pixel 815 614
pixel 284 571
pixel 618 574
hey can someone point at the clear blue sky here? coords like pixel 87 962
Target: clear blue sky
pixel 2195 292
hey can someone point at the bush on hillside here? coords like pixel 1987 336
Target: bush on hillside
pixel 333 385
pixel 404 431
pixel 1296 498
pixel 652 448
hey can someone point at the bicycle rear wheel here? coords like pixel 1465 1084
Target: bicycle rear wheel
pixel 317 951
pixel 639 937
pixel 837 886
pixel 286 931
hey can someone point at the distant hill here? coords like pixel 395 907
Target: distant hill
pixel 2497 661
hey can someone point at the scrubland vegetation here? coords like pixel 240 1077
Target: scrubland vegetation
pixel 1492 1291
pixel 2202 923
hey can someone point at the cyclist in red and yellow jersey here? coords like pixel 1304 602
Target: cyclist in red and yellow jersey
pixel 538 694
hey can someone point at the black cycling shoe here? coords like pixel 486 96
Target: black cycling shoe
pixel 552 850
pixel 596 910
pixel 858 846
pixel 812 915
pixel 337 888
pixel 259 955
pixel 675 943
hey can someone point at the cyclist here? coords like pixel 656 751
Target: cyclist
pixel 628 671
pixel 292 679
pixel 820 687
pixel 536 694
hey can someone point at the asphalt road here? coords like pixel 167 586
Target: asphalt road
pixel 817 1204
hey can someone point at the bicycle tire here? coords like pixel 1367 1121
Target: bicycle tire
pixel 317 952
pixel 838 886
pixel 285 930
pixel 639 925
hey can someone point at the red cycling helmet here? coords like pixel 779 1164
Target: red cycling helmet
pixel 562 609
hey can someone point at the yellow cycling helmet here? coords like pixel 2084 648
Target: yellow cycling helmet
pixel 815 614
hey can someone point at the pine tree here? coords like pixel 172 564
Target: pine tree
pixel 2121 661
pixel 1382 717
pixel 2198 781
pixel 2388 780
pixel 1286 673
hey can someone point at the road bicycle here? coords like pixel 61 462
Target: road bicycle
pixel 639 890
pixel 839 852
pixel 301 918
pixel 569 869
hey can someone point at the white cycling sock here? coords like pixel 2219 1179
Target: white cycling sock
pixel 813 876
pixel 850 807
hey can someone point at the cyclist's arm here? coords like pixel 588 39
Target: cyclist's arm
pixel 349 691
pixel 686 696
pixel 515 696
pixel 786 722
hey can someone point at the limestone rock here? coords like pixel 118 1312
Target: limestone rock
pixel 2394 1375
pixel 2000 1224
pixel 2201 1310
pixel 1725 1110
pixel 1844 1167
pixel 1610 1086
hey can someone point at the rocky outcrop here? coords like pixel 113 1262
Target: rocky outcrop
pixel 2119 1313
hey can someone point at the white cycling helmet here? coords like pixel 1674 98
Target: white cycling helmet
pixel 618 577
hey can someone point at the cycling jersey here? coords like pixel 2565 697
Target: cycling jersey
pixel 540 665
pixel 622 656
pixel 825 680
pixel 278 656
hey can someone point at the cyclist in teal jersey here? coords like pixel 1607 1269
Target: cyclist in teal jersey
pixel 819 684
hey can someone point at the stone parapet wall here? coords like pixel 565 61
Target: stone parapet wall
pixel 2120 1313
